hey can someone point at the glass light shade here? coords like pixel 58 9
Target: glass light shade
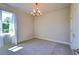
pixel 36 11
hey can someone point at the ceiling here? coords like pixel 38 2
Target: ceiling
pixel 43 7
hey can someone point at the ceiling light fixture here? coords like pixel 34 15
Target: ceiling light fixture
pixel 36 11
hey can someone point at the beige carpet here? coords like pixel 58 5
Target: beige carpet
pixel 39 47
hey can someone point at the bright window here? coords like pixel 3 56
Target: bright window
pixel 7 22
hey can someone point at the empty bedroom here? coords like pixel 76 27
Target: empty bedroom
pixel 39 29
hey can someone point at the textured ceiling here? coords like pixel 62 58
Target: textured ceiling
pixel 43 7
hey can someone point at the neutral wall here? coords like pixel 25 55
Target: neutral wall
pixel 25 27
pixel 24 22
pixel 75 26
pixel 54 25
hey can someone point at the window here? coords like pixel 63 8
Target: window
pixel 7 23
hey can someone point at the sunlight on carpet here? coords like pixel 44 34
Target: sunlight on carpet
pixel 15 48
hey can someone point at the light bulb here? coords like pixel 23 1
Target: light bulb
pixel 33 10
pixel 37 8
pixel 36 11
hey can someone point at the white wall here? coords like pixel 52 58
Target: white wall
pixel 25 26
pixel 75 26
pixel 54 25
pixel 25 22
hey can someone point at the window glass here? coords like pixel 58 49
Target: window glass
pixel 6 21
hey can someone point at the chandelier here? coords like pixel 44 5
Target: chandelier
pixel 36 11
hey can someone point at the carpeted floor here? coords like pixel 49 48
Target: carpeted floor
pixel 39 47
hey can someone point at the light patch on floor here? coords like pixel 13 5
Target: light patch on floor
pixel 15 48
pixel 12 47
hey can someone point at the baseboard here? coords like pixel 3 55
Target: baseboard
pixel 40 37
pixel 61 42
pixel 25 40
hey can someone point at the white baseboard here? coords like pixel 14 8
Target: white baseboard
pixel 40 37
pixel 26 40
